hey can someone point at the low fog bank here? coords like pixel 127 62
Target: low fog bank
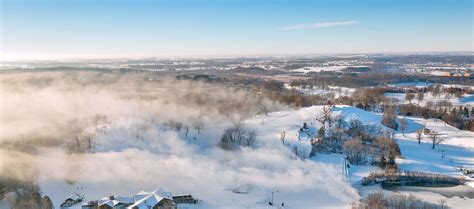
pixel 143 132
pixel 52 109
pixel 163 157
pixel 53 104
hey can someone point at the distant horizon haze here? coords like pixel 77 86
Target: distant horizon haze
pixel 55 29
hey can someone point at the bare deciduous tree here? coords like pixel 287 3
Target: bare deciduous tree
pixel 436 138
pixel 250 138
pixel 420 96
pixel 283 137
pixel 237 135
pixel 389 118
pixel 436 91
pixel 403 125
pixel 409 97
pixel 199 126
pixel 354 150
pixel 325 117
pixel 186 131
pixel 419 134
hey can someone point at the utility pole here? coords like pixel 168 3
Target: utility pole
pixel 272 195
pixel 345 171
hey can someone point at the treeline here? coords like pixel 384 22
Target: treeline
pixel 381 200
pixel 374 79
pixel 373 99
pixel 276 91
pixel 434 89
pixel 370 99
pixel 460 117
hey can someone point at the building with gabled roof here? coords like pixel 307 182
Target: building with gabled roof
pixel 153 200
pixel 114 202
pixel 72 200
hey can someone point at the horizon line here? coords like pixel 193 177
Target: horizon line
pixel 230 56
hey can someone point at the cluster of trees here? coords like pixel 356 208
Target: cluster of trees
pixel 460 117
pixel 23 194
pixel 371 144
pixel 433 136
pixel 194 123
pixel 237 136
pixel 81 141
pixel 373 99
pixel 381 200
pixel 389 118
pixel 436 90
pixel 362 144
pixel 375 79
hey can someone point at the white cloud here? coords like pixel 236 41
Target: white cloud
pixel 318 25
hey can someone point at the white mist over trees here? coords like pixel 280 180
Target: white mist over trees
pixel 96 131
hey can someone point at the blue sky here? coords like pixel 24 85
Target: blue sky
pixel 167 28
